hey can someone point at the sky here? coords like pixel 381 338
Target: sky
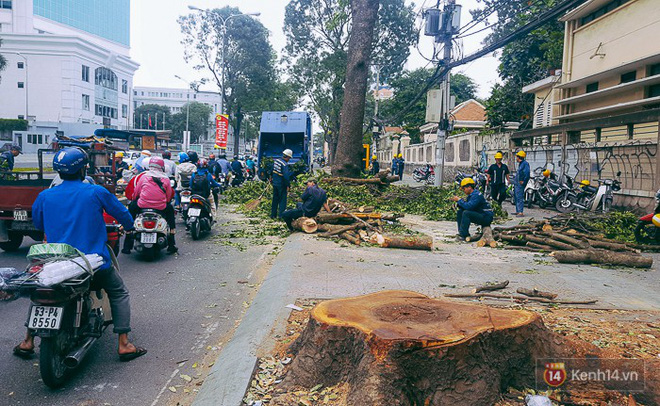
pixel 156 40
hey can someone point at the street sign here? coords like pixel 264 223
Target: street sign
pixel 221 130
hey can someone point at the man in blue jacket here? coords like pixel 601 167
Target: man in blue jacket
pixel 281 180
pixel 72 213
pixel 7 158
pixel 473 208
pixel 522 177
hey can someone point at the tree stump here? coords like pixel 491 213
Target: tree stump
pixel 404 348
pixel 487 238
pixel 305 224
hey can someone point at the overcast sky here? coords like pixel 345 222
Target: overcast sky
pixel 156 40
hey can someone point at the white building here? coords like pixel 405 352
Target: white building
pixel 68 66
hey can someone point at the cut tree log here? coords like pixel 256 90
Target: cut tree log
pixel 412 242
pixel 536 293
pixel 549 242
pixel 487 238
pixel 567 239
pixel 603 257
pixel 541 247
pixel 491 287
pixel 305 224
pixel 348 236
pixel 520 298
pixel 402 348
pixel 331 229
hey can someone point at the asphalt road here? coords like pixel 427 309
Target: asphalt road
pixel 182 308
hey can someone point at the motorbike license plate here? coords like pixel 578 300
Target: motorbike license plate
pixel 46 317
pixel 148 238
pixel 194 212
pixel 20 215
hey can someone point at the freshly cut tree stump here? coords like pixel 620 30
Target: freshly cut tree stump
pixel 412 242
pixel 487 238
pixel 603 257
pixel 404 348
pixel 305 224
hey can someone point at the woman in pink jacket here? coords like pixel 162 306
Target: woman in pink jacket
pixel 153 191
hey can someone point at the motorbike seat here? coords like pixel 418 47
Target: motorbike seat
pixel 590 189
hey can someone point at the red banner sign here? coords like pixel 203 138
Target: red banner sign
pixel 221 130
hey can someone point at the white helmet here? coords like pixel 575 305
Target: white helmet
pixel 146 152
pixel 288 152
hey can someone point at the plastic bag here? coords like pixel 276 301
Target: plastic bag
pixel 536 400
pixel 39 252
pixel 5 275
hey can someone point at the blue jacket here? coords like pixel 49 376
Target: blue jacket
pixel 281 173
pixel 72 213
pixel 475 201
pixel 7 159
pixel 523 172
pixel 225 166
pixel 204 172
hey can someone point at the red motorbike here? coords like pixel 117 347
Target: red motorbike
pixel 648 228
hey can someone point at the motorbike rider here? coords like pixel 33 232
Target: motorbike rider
pixel 522 177
pixel 237 172
pixel 120 165
pixel 471 209
pixel 251 166
pixel 182 176
pixel 72 213
pixel 142 163
pixel 498 174
pixel 375 166
pixel 225 167
pixel 153 191
pixel 202 182
pixel 170 166
pixel 281 179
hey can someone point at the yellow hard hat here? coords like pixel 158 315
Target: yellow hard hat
pixel 119 154
pixel 499 155
pixel 656 220
pixel 521 154
pixel 373 157
pixel 547 173
pixel 467 181
pixel 400 155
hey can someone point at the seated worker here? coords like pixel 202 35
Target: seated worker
pixel 472 209
pixel 201 183
pixel 313 199
pixel 153 191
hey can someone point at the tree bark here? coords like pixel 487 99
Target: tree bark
pixel 305 224
pixel 603 257
pixel 413 242
pixel 348 157
pixel 403 348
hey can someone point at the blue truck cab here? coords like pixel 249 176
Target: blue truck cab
pixel 282 130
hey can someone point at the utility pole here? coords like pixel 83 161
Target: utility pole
pixel 449 22
pixel 377 98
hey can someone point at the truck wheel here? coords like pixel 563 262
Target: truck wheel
pixel 14 243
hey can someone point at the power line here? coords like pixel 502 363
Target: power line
pixel 441 69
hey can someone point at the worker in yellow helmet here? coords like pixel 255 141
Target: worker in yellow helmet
pixel 498 174
pixel 402 164
pixel 120 165
pixel 375 166
pixel 473 208
pixel 522 177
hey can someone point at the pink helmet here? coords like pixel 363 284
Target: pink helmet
pixel 203 163
pixel 157 163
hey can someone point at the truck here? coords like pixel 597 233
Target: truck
pixel 282 130
pixel 19 190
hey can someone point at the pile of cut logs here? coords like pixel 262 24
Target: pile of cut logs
pixel 570 246
pixel 358 225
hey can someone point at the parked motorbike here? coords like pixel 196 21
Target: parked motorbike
pixel 480 180
pixel 199 216
pixel 426 174
pixel 648 229
pixel 599 198
pixel 151 231
pixel 68 317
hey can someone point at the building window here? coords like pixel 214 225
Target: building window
pixel 106 78
pixel 21 65
pixel 85 73
pixel 654 69
pixel 124 86
pixel 654 91
pixel 602 11
pixel 40 139
pixel 21 85
pixel 124 111
pixel 592 87
pixel 105 111
pixel 5 4
pixel 21 117
pixel 629 77
pixel 85 102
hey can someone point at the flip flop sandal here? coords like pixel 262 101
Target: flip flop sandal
pixel 23 353
pixel 139 351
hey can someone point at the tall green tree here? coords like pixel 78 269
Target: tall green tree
pixel 318 33
pixel 252 82
pixel 154 111
pixel 407 85
pixel 199 122
pixel 524 60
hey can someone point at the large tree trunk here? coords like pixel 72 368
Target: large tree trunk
pixel 348 158
pixel 404 348
pixel 237 133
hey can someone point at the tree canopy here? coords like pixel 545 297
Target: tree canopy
pixel 524 60
pixel 318 33
pixel 199 122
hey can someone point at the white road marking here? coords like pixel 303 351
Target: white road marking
pixel 176 371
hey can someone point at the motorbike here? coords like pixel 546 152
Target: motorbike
pixel 185 203
pixel 199 218
pixel 151 231
pixel 646 231
pixel 69 317
pixel 599 198
pixel 480 180
pixel 426 174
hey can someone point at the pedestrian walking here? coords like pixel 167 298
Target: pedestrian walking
pixel 522 177
pixel 498 174
pixel 402 165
